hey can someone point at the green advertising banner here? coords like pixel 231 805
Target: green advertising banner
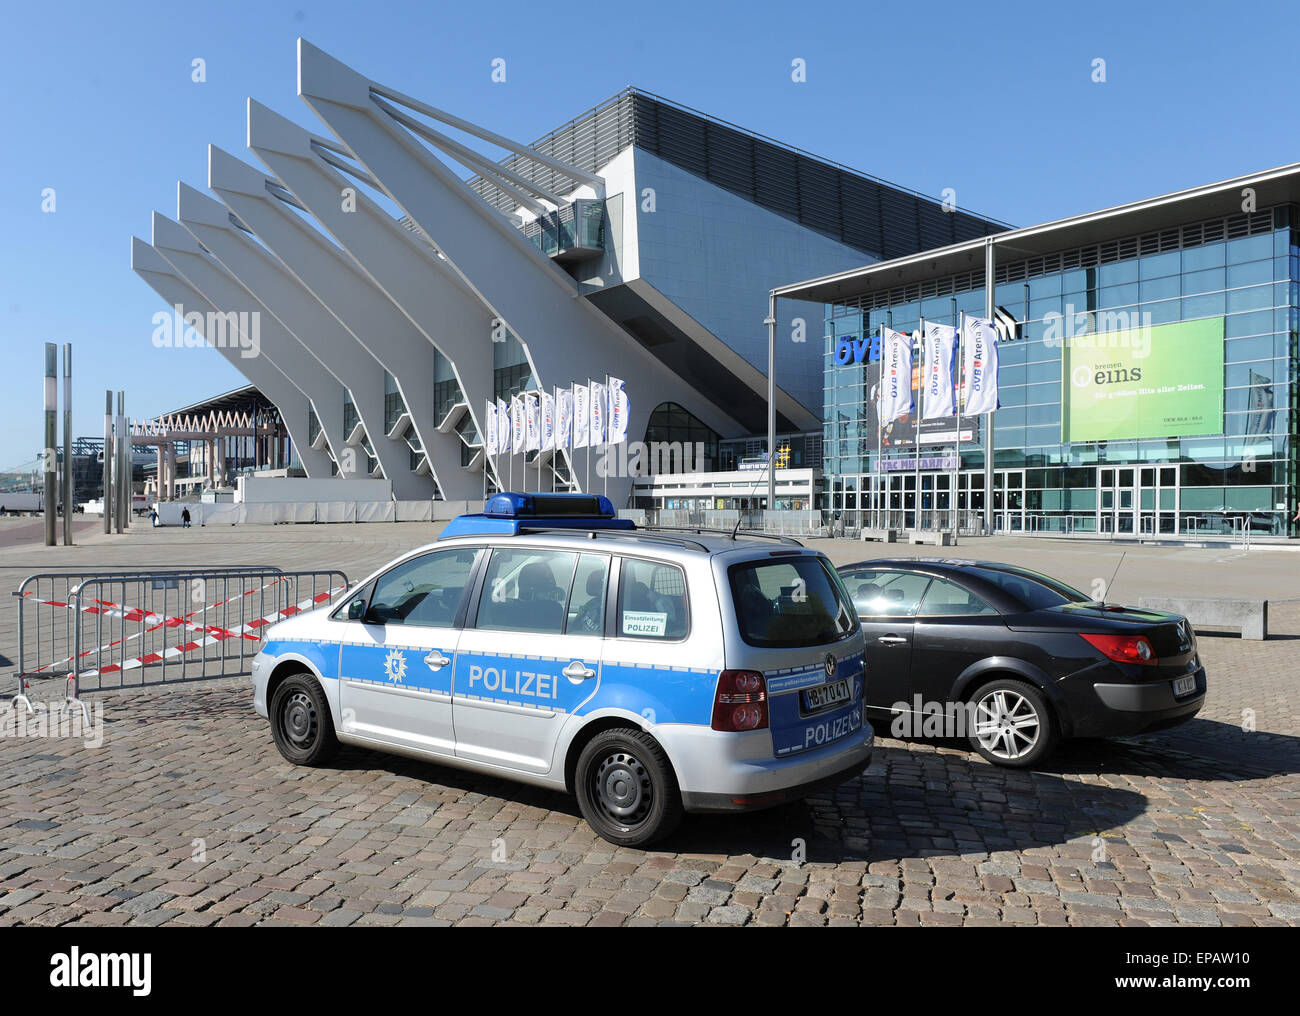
pixel 1158 381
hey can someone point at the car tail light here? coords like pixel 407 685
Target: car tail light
pixel 1124 648
pixel 741 701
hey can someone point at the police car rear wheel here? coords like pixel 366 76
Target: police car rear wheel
pixel 300 721
pixel 626 788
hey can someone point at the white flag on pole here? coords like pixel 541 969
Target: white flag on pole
pixel 548 421
pixel 937 400
pixel 503 427
pixel 581 416
pixel 518 418
pixel 490 429
pixel 618 409
pixel 563 417
pixel 980 349
pixel 533 416
pixel 598 409
pixel 895 375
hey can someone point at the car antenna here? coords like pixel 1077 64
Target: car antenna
pixel 771 458
pixel 1106 591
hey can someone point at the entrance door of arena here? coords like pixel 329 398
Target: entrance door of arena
pixel 1137 500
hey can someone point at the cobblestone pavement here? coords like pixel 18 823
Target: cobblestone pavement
pixel 187 815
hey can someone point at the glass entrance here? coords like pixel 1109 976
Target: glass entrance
pixel 1137 500
pixel 1009 500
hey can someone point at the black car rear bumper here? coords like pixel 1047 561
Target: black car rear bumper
pixel 1112 709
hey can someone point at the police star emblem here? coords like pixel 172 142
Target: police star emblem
pixel 395 665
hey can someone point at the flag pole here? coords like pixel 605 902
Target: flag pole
pixel 586 483
pixel 604 426
pixel 880 465
pixel 919 374
pixel 956 469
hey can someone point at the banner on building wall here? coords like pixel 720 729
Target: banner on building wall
pixel 1144 382
pixel 901 432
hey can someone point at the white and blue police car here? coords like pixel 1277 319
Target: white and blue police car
pixel 649 672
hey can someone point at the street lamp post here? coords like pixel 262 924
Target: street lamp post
pixel 770 321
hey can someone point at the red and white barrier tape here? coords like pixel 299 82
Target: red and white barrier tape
pixel 212 633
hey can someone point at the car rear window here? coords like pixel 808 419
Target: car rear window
pixel 787 602
pixel 1033 591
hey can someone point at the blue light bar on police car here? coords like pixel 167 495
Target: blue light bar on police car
pixel 509 513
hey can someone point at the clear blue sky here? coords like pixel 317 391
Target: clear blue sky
pixel 995 101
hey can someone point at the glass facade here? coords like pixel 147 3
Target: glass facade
pixel 671 424
pixel 394 406
pixel 1243 269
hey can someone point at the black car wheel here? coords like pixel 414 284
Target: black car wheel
pixel 301 722
pixel 1013 724
pixel 626 788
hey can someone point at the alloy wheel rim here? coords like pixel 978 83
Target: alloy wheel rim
pixel 623 788
pixel 1006 724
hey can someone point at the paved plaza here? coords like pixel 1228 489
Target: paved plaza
pixel 184 812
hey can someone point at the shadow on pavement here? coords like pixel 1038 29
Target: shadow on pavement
pixel 909 803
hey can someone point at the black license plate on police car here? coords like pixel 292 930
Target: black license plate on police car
pixel 1184 685
pixel 826 695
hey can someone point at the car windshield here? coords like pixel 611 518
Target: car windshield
pixel 787 602
pixel 1032 590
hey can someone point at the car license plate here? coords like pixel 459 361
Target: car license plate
pixel 1184 685
pixel 826 695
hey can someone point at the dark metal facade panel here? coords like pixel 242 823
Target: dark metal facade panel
pixel 869 215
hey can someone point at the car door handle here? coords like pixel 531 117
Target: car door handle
pixel 578 671
pixel 891 640
pixel 436 661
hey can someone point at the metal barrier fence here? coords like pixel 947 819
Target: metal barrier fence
pixel 809 522
pixel 145 627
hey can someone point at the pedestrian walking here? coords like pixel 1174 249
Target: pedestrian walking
pixel 185 518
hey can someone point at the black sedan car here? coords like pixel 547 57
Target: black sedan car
pixel 1015 660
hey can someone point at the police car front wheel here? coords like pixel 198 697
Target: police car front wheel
pixel 626 788
pixel 300 721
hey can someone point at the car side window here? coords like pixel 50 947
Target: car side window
pixel 652 601
pixel 586 610
pixel 425 591
pixel 526 590
pixel 886 593
pixel 948 598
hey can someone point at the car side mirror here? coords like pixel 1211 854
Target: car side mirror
pixel 357 609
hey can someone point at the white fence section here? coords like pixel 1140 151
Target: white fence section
pixel 270 513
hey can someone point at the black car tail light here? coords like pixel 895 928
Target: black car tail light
pixel 1124 648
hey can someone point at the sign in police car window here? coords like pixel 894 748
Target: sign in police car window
pixel 651 600
pixel 526 590
pixel 423 591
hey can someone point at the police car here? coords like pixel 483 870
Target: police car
pixel 649 672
